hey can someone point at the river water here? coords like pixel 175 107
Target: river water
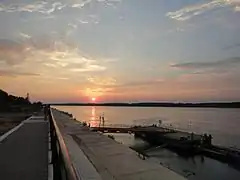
pixel 223 124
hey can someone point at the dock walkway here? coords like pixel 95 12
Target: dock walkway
pixel 95 156
pixel 24 151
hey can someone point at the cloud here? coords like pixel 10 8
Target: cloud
pixel 222 67
pixel 87 67
pixel 231 62
pixel 142 83
pixel 107 3
pixel 46 56
pixel 135 84
pixel 74 26
pixel 70 59
pixel 11 73
pixel 83 22
pixel 237 45
pixel 189 12
pixel 12 52
pixel 96 92
pixel 81 4
pixel 99 86
pixel 25 35
pixel 16 52
pixel 48 7
pixel 108 81
pixel 39 6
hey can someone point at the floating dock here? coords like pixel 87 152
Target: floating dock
pixel 182 142
pixel 159 135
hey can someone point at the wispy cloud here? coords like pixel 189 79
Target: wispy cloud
pixel 229 65
pixel 11 73
pixel 107 81
pixel 142 83
pixel 96 92
pixel 202 65
pixel 99 86
pixel 136 84
pixel 88 67
pixel 49 7
pixel 82 21
pixel 63 56
pixel 39 6
pixel 188 12
pixel 25 35
pixel 46 55
pixel 12 52
pixel 237 45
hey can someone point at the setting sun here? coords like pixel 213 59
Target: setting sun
pixel 93 99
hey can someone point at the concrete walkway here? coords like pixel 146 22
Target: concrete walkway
pixel 110 160
pixel 24 151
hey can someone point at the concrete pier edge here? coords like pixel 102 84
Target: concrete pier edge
pixel 95 156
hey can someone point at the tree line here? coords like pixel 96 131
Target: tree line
pixel 10 102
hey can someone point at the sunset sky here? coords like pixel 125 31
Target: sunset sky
pixel 121 50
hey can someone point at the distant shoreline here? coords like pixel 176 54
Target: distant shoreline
pixel 152 104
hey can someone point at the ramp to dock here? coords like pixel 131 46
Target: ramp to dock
pixel 24 151
pixel 104 158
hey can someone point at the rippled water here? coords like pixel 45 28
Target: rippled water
pixel 223 124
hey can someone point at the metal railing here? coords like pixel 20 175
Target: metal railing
pixel 62 166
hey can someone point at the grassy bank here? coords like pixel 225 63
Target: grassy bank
pixel 10 120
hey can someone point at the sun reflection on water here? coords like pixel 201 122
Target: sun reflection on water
pixel 94 122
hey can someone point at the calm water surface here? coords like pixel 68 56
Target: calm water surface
pixel 223 124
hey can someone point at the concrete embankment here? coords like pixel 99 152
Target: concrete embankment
pixel 95 156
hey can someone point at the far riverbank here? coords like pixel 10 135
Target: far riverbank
pixel 158 104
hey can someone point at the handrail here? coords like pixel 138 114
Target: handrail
pixel 62 166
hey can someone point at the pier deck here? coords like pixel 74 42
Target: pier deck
pixel 178 135
pixel 171 133
pixel 108 159
pixel 155 135
pixel 24 151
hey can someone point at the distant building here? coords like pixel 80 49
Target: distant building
pixel 27 97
